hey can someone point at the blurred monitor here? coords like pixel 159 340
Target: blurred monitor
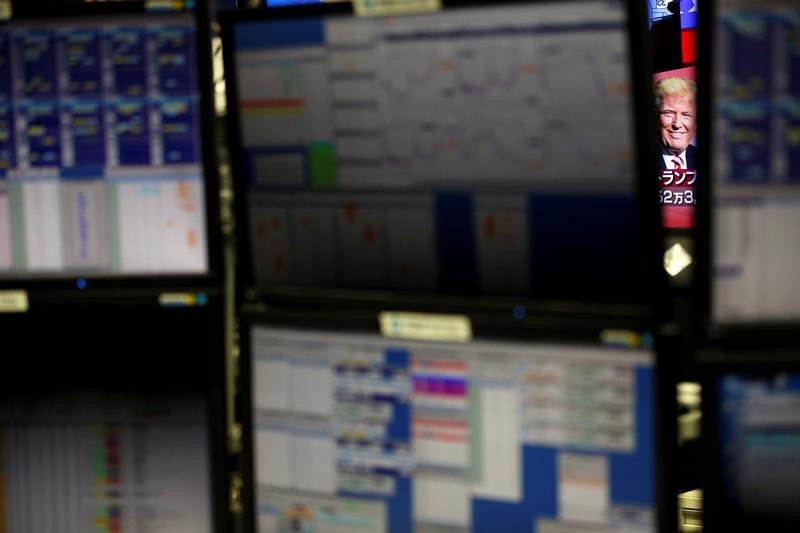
pixel 112 421
pixel 101 159
pixel 484 150
pixel 757 443
pixel 105 462
pixel 756 164
pixel 354 431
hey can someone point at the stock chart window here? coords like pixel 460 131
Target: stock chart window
pixel 470 150
pixel 106 463
pixel 100 151
pixel 759 443
pixel 357 432
pixel 756 167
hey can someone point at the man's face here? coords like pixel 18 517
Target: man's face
pixel 676 122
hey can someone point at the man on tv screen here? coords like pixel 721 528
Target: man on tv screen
pixel 676 104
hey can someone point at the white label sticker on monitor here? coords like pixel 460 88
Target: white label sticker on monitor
pixel 13 301
pixel 424 326
pixel 373 8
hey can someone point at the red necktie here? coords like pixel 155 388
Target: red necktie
pixel 676 162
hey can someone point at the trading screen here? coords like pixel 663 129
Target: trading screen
pixel 760 448
pixel 100 152
pixel 756 170
pixel 106 464
pixel 354 432
pixel 471 150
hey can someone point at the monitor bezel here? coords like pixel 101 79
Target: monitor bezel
pixel 714 364
pixel 485 328
pixel 747 333
pixel 71 282
pixel 646 190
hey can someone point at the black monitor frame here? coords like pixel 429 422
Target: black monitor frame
pixel 646 189
pixel 752 334
pixel 715 363
pixel 485 327
pixel 67 282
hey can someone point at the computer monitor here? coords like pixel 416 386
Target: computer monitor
pixel 755 168
pixel 349 430
pixel 112 417
pixel 753 433
pixel 487 150
pixel 105 463
pixel 103 146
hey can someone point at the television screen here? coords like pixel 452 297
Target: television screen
pixel 673 32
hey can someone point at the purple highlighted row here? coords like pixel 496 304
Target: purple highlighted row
pixel 440 385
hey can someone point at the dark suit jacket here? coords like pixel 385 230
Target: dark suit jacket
pixel 691 158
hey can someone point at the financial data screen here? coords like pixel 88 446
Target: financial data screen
pixel 354 432
pixel 483 150
pixel 756 167
pixel 759 448
pixel 100 153
pixel 105 464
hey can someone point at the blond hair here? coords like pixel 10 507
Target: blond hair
pixel 680 87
